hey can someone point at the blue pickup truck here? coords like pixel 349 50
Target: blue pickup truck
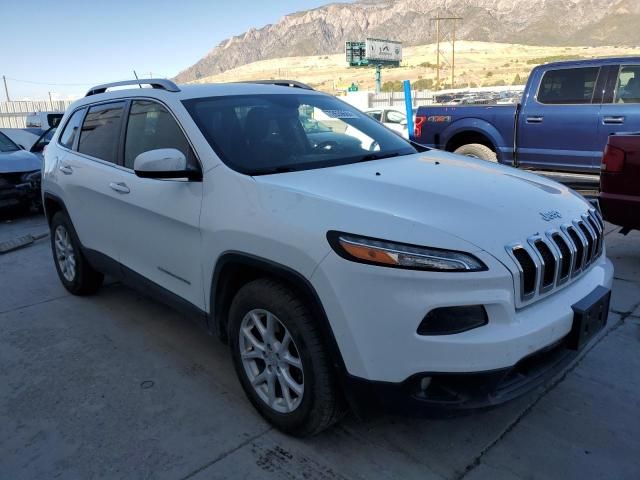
pixel 567 112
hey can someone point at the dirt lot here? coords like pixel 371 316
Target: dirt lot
pixel 118 386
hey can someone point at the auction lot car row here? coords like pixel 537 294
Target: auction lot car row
pixel 328 261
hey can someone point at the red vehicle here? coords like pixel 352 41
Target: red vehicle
pixel 620 181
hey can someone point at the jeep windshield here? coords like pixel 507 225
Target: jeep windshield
pixel 275 133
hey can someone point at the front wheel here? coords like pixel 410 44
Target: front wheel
pixel 280 359
pixel 477 150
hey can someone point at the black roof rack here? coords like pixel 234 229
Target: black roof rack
pixel 282 83
pixel 160 83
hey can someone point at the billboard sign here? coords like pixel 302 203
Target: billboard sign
pixel 383 50
pixel 356 53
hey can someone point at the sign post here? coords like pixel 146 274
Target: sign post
pixel 408 105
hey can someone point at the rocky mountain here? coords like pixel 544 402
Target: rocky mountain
pixel 324 30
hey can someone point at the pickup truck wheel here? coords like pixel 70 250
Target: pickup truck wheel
pixel 75 273
pixel 477 150
pixel 280 359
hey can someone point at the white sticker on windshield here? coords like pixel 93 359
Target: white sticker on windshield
pixel 340 114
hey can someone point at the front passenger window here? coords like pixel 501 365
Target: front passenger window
pixel 375 115
pixel 151 127
pixel 628 90
pixel 101 131
pixel 71 130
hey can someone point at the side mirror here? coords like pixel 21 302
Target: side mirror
pixel 164 163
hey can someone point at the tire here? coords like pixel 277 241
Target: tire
pixel 477 150
pixel 74 271
pixel 319 405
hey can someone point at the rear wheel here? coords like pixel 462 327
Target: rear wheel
pixel 75 273
pixel 477 150
pixel 280 359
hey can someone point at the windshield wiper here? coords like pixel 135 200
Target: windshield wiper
pixel 269 171
pixel 379 156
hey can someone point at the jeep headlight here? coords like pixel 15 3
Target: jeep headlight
pixel 399 255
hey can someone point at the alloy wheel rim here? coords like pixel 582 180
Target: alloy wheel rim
pixel 65 256
pixel 271 361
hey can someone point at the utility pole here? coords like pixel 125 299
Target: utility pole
pixel 438 54
pixel 440 39
pixel 453 55
pixel 50 101
pixel 6 90
pixel 378 78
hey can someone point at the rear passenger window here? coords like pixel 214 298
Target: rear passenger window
pixel 568 86
pixel 71 130
pixel 151 127
pixel 101 131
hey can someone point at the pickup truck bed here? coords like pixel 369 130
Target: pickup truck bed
pixel 620 181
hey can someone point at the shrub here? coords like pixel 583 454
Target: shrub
pixel 422 84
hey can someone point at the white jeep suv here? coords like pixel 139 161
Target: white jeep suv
pixel 341 272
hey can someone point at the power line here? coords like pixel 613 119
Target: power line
pixel 50 84
pixel 33 82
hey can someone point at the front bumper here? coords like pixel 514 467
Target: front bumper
pixel 374 313
pixel 451 392
pixel 19 189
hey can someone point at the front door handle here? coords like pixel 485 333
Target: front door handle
pixel 613 120
pixel 119 187
pixel 535 119
pixel 66 169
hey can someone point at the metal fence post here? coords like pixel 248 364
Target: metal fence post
pixel 408 105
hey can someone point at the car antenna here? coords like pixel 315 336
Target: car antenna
pixel 136 75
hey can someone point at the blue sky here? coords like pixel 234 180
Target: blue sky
pixel 87 42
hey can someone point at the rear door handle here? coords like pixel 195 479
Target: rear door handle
pixel 613 120
pixel 535 119
pixel 66 169
pixel 119 187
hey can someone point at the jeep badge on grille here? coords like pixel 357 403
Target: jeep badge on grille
pixel 550 215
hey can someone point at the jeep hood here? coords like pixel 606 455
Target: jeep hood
pixel 19 161
pixel 485 204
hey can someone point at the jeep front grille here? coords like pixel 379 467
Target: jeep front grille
pixel 544 262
